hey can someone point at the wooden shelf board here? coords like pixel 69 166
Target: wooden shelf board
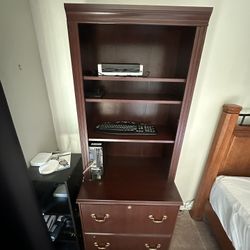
pixel 163 136
pixel 134 79
pixel 133 179
pixel 136 98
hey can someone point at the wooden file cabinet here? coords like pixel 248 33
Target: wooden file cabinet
pixel 127 226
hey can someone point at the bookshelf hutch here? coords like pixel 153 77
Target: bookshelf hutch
pixel 135 204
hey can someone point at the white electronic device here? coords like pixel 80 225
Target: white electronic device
pixel 40 159
pixel 96 157
pixel 49 167
pixel 49 162
pixel 120 69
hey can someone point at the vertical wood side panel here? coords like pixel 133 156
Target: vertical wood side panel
pixel 190 83
pixel 78 86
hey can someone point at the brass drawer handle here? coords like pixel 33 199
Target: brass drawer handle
pixel 151 217
pixel 106 216
pixel 152 248
pixel 103 246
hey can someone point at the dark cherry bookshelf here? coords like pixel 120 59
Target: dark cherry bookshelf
pixel 139 171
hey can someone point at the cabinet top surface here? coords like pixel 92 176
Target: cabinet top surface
pixel 140 14
pixel 130 192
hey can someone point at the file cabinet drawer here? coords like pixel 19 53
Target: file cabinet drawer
pixel 148 219
pixel 118 242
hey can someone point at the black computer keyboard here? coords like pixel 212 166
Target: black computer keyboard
pixel 126 128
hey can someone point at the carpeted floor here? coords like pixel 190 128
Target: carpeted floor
pixel 192 235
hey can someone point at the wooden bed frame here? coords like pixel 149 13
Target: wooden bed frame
pixel 229 155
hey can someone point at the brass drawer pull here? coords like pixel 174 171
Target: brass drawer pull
pixel 106 216
pixel 152 248
pixel 151 217
pixel 102 246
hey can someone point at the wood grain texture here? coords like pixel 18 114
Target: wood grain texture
pixel 125 242
pixel 134 79
pixel 134 220
pixel 217 229
pixel 149 45
pixel 179 35
pixel 163 136
pixel 139 14
pixel 79 91
pixel 229 155
pixel 192 74
pixel 138 170
pixel 139 180
pixel 217 157
pixel 237 161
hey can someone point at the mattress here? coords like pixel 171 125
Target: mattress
pixel 230 199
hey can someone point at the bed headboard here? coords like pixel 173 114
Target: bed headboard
pixel 229 155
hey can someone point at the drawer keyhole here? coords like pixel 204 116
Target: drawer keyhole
pixel 101 246
pixel 98 219
pixel 158 246
pixel 151 217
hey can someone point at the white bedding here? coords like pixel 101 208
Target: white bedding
pixel 230 199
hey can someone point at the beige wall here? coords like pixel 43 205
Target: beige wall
pixel 223 77
pixel 22 78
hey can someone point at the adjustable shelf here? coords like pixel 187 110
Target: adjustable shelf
pixel 136 98
pixel 163 136
pixel 134 79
